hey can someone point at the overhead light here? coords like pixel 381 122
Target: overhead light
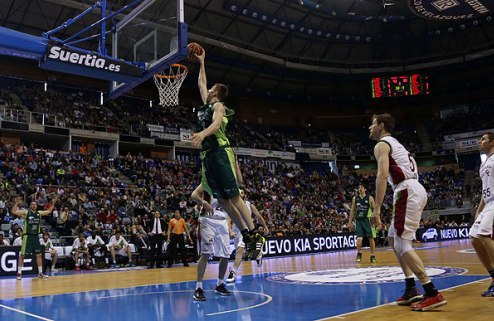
pixel 333 13
pixel 274 21
pixel 301 2
pixel 347 37
pixel 301 29
pixel 438 32
pixel 292 26
pixel 489 18
pixel 283 23
pixel 338 36
pixel 328 35
pixel 264 17
pixel 309 31
pixel 450 29
pixel 357 38
pixel 254 15
pixel 369 18
pixel 245 11
pixel 319 32
pixel 233 8
pixel 368 39
pixel 475 22
pixel 462 26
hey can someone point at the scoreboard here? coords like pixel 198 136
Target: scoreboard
pixel 397 86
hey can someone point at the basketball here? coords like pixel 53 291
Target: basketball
pixel 194 48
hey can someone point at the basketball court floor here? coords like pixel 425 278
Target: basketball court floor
pixel 308 287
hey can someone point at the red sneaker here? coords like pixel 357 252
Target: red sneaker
pixel 429 303
pixel 77 268
pixel 409 296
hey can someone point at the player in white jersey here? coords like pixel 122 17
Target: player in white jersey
pixel 239 243
pixel 214 237
pixel 395 164
pixel 481 230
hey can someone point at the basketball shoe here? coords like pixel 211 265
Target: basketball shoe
pixel 409 296
pixel 490 291
pixel 255 248
pixel 199 295
pixel 221 289
pixel 231 277
pixel 429 303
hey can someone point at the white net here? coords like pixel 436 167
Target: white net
pixel 169 82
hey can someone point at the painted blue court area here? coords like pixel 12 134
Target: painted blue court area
pixel 258 297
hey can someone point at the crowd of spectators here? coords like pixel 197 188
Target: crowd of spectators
pixel 293 200
pixel 77 108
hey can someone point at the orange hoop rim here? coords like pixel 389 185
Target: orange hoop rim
pixel 180 66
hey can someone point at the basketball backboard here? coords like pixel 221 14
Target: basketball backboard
pixel 134 39
pixel 153 36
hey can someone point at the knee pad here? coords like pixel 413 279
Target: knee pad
pixel 402 246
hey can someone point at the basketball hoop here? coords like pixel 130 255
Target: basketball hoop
pixel 169 82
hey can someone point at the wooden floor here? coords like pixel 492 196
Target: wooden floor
pixel 464 301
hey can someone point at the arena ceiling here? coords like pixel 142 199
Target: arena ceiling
pixel 297 45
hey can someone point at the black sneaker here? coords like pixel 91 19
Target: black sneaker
pixel 259 261
pixel 199 295
pixel 221 289
pixel 231 277
pixel 490 291
pixel 256 245
pixel 359 257
pixel 409 296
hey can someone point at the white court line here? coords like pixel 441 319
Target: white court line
pixel 24 312
pixel 270 298
pixel 342 316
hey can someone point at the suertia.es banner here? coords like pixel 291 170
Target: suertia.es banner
pixel 451 9
pixel 433 234
pixel 9 258
pixel 69 60
pixel 303 244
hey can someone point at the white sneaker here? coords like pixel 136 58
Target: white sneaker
pixel 19 276
pixel 54 270
pixel 42 276
pixel 231 277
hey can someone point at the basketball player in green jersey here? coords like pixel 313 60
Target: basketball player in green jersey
pixel 362 205
pixel 218 161
pixel 30 236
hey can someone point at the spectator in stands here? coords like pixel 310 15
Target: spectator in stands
pixel 49 249
pixel 3 242
pixel 119 246
pixel 141 246
pixel 18 237
pixel 80 250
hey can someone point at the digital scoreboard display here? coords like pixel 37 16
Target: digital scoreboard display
pixel 399 86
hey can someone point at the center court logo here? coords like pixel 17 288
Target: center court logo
pixel 359 275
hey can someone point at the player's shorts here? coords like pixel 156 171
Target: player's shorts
pixel 214 237
pixel 484 222
pixel 31 245
pixel 121 251
pixel 218 173
pixel 409 200
pixel 364 229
